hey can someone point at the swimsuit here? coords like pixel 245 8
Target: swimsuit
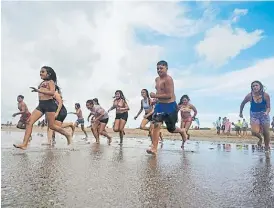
pixel 62 113
pixel 123 116
pixel 186 109
pixel 146 107
pixel 257 112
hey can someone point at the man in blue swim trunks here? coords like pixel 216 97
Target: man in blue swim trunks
pixel 166 108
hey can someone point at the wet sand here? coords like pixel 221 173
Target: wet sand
pixel 196 135
pixel 205 174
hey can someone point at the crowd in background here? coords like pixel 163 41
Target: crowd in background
pixel 224 126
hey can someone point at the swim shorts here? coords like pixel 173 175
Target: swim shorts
pixel 46 106
pixel 80 121
pixel 105 121
pixel 62 114
pixel 259 118
pixel 166 112
pixel 24 117
pixel 122 116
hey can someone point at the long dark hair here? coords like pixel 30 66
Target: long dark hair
pixel 181 100
pixel 149 102
pixel 121 95
pixel 52 76
pixel 261 86
pixel 96 101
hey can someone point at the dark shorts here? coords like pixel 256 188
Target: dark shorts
pixel 105 121
pixel 80 121
pixel 150 117
pixel 218 128
pixel 166 112
pixel 62 114
pixel 223 127
pixel 244 128
pixel 123 116
pixel 237 128
pixel 46 106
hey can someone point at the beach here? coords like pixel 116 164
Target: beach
pixel 195 135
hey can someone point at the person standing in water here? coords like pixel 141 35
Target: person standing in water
pixel 259 113
pixel 23 111
pixel 185 108
pixel 219 125
pixel 121 106
pixel 80 119
pixel 46 106
pixel 100 119
pixel 166 108
pixel 244 128
pixel 60 116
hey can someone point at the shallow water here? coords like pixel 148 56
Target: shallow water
pixel 203 175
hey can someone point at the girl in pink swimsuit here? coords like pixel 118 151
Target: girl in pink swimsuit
pixel 185 108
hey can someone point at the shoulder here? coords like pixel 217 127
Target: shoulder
pixel 157 78
pixel 266 95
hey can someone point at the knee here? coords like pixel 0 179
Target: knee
pixel 171 128
pixel 115 129
pixel 100 131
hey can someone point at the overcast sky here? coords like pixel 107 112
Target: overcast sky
pixel 214 51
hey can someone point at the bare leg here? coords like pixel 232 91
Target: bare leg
pixel 36 114
pixel 52 125
pixel 95 132
pixel 187 126
pixel 121 129
pixel 255 128
pixel 143 125
pixel 69 124
pixel 266 138
pixel 103 132
pixel 155 138
pixel 83 129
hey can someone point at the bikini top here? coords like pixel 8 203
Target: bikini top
pixel 44 84
pixel 258 107
pixel 185 109
pixel 146 104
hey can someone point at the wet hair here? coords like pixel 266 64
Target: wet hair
pixel 147 95
pixel 90 101
pixel 96 101
pixel 258 82
pixel 181 100
pixel 77 105
pixel 52 76
pixel 163 63
pixel 21 96
pixel 121 95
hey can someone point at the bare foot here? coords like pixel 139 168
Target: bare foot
pixel 109 140
pixel 150 151
pixel 20 146
pixel 69 139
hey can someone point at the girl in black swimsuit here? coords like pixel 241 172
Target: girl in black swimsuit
pixel 121 106
pixel 46 91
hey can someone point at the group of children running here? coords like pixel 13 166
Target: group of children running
pixel 159 107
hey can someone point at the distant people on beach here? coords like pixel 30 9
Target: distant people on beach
pixel 259 113
pixel 227 127
pixel 244 128
pixel 219 125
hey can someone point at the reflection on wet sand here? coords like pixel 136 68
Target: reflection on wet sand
pixel 202 175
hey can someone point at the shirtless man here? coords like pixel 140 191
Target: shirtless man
pixel 80 119
pixel 23 110
pixel 166 107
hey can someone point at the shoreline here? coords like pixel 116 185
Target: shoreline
pixel 195 135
